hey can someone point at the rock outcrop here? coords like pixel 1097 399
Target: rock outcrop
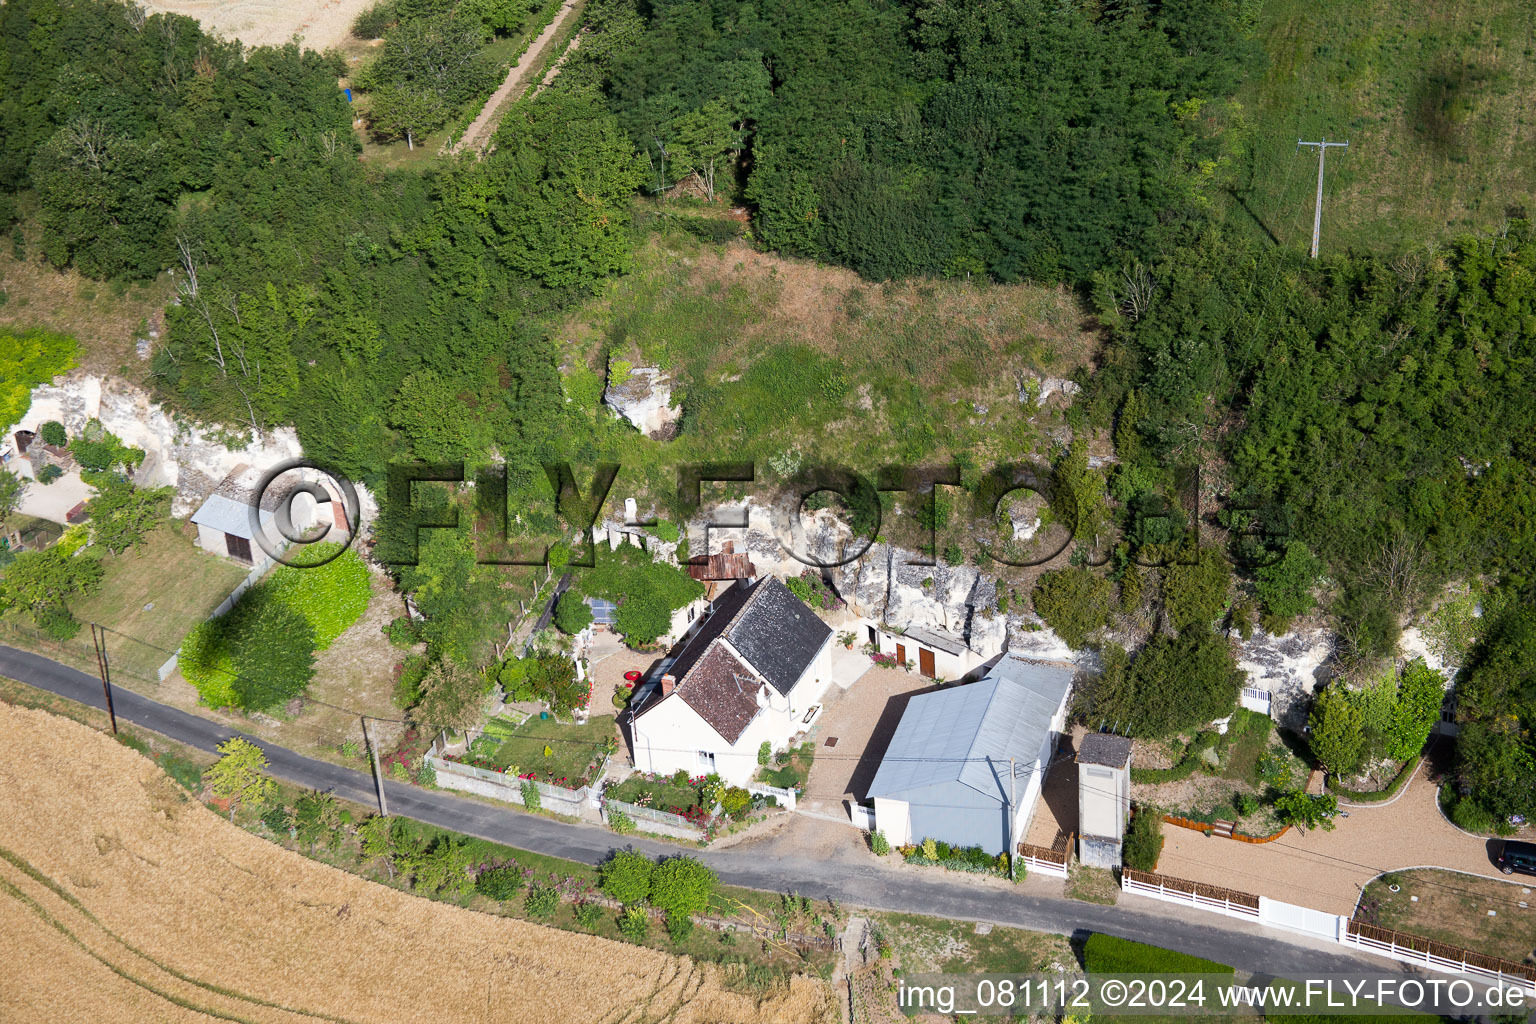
pixel 644 398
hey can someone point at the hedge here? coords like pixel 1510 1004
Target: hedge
pixel 1106 954
pixel 1186 766
pixel 1376 796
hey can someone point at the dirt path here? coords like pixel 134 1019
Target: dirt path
pixel 479 133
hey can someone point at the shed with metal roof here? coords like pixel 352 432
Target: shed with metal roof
pixel 966 763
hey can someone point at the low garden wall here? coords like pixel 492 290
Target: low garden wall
pixel 648 819
pixel 509 788
pixel 787 798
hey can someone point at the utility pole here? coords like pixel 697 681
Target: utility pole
pixel 1013 817
pixel 1317 211
pixel 99 639
pixel 378 776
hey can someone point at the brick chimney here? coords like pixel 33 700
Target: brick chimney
pixel 728 548
pixel 668 683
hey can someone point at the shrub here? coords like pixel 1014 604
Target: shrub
pixel 634 924
pixel 682 886
pixel 28 359
pixel 401 631
pixel 257 656
pixel 531 796
pixel 930 848
pixel 621 823
pixel 626 876
pixel 765 753
pixel 56 621
pixel 53 433
pixel 679 927
pixel 48 474
pixel 735 801
pixel 572 615
pixel 1469 815
pixel 1336 731
pixel 1106 954
pixel 879 844
pixel 1143 840
pixel 426 775
pixel 1075 603
pixel 680 778
pixel 1246 804
pixel 1286 586
pixel 541 901
pixel 501 882
pixel 1174 683
pixel 587 914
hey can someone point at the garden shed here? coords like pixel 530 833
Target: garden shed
pixel 947 772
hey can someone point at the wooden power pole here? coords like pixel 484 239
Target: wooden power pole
pixel 1317 210
pixel 378 776
pixel 99 639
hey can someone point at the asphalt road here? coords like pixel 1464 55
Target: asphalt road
pixel 1249 947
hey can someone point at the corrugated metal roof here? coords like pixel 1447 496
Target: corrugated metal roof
pixel 949 736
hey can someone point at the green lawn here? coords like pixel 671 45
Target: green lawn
pixel 921 944
pixel 148 600
pixel 1453 908
pixel 1433 99
pixel 151 597
pixel 573 749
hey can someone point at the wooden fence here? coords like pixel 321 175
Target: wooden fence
pixel 1196 894
pixel 1437 955
pixel 1206 826
pixel 1047 860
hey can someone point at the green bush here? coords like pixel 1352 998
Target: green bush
pixel 572 614
pixel 541 901
pixel 1075 603
pixel 48 474
pixel 530 793
pixel 621 823
pixel 679 927
pixel 28 359
pixel 634 924
pixel 682 886
pixel 1467 814
pixel 53 433
pixel 735 801
pixel 1143 840
pixel 255 657
pixel 879 844
pixel 587 913
pixel 401 631
pixel 1106 954
pixel 765 753
pixel 626 877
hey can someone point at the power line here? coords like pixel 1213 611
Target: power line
pixel 1317 212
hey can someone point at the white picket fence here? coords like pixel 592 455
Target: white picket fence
pixel 787 798
pixel 1043 865
pixel 1330 927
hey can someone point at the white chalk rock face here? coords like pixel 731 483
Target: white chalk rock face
pixel 191 457
pixel 1290 667
pixel 644 398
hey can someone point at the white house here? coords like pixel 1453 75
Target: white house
pixel 937 653
pixel 753 670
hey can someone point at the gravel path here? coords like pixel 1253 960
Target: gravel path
pixel 1327 870
pixel 479 133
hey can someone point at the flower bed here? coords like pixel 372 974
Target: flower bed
pixel 972 859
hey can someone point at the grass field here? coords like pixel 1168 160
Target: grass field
pixel 154 595
pixel 130 901
pixel 1454 908
pixel 1433 98
pixel 921 944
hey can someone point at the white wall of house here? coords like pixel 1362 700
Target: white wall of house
pixel 210 539
pixel 945 666
pixel 671 735
pixel 894 819
pixel 813 683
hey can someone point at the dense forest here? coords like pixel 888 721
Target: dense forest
pixel 1364 421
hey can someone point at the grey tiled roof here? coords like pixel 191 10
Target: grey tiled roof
pixel 777 634
pixel 966 734
pixel 1104 748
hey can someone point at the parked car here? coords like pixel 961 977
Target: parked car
pixel 1517 856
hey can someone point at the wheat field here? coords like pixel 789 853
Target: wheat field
pixel 122 900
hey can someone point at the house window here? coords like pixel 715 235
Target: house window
pixel 707 761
